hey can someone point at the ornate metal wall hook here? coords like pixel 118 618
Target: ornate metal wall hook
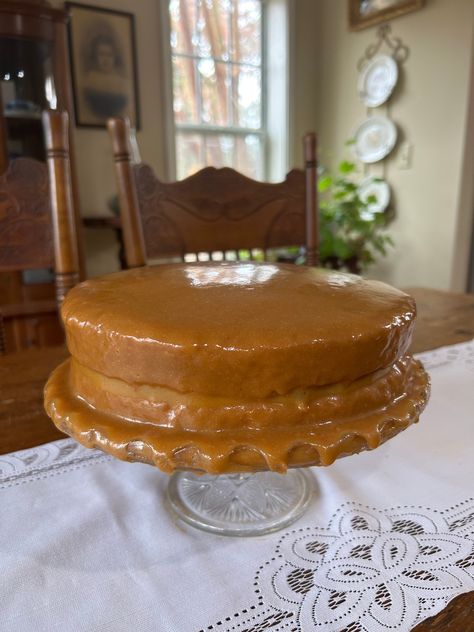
pixel 398 49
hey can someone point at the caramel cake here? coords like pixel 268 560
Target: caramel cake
pixel 234 367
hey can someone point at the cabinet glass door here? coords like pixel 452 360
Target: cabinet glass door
pixel 27 88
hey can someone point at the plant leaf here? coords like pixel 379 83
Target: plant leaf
pixel 346 167
pixel 342 248
pixel 324 183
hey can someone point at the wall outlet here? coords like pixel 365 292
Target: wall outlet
pixel 405 155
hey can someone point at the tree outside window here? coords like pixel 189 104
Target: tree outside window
pixel 216 49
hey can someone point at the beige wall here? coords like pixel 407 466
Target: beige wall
pixel 430 108
pixel 304 96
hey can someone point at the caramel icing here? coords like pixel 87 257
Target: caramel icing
pixel 236 329
pixel 191 411
pixel 236 367
pixel 235 449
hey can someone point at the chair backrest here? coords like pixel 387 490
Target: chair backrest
pixel 37 226
pixel 214 210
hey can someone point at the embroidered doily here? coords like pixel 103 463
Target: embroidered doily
pixel 46 460
pixel 367 571
pixel 461 355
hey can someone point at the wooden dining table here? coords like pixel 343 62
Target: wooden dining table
pixel 444 318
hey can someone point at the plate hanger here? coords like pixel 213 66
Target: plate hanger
pixel 400 52
pixel 397 49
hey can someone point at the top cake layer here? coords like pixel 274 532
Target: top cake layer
pixel 236 329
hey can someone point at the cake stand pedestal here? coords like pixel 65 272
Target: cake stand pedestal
pixel 240 504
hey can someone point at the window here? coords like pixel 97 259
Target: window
pixel 218 85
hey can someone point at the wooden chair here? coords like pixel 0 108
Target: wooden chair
pixel 37 227
pixel 214 210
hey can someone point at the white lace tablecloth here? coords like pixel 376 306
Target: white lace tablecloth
pixel 87 542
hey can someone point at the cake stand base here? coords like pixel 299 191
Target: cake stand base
pixel 240 504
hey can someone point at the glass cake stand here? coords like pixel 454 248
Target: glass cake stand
pixel 240 504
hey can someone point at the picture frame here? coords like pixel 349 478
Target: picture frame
pixel 365 13
pixel 102 50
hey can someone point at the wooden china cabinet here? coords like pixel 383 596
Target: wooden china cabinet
pixel 34 75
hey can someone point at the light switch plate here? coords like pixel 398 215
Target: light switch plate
pixel 405 155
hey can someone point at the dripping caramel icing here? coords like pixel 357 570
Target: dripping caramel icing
pixel 236 367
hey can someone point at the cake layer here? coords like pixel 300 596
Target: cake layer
pixel 234 450
pixel 238 329
pixel 167 408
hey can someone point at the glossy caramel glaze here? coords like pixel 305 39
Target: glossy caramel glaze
pixel 236 329
pixel 194 412
pixel 238 449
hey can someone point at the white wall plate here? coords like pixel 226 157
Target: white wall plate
pixel 377 80
pixel 374 139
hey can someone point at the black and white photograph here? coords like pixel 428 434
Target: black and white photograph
pixel 102 47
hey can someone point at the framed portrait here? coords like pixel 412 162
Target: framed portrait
pixel 103 65
pixel 364 13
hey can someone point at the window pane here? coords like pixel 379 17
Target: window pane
pixel 246 31
pixel 214 88
pixel 213 37
pixel 189 154
pixel 249 156
pixel 185 101
pixel 246 93
pixel 220 150
pixel 217 81
pixel 194 151
pixel 183 16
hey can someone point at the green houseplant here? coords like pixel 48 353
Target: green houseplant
pixel 351 236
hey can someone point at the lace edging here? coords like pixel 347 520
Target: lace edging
pixel 368 569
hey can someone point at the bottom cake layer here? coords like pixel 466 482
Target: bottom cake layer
pixel 235 450
pixel 195 412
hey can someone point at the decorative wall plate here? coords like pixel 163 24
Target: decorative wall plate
pixel 374 139
pixel 377 80
pixel 378 188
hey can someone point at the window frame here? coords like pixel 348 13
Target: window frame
pixel 275 129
